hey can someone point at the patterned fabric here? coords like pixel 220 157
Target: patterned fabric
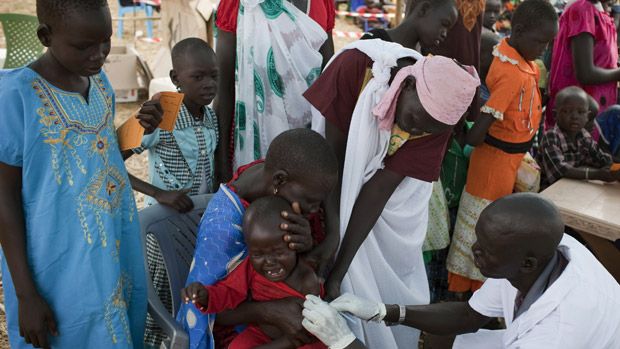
pixel 272 72
pixel 557 154
pixel 82 230
pixel 220 248
pixel 470 10
pixel 460 259
pixel 183 158
pixel 438 231
pixel 579 18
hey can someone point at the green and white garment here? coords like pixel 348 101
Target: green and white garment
pixel 277 60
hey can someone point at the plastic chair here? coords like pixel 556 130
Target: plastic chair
pixel 176 234
pixel 22 43
pixel 128 6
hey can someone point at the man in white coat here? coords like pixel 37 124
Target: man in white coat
pixel 551 291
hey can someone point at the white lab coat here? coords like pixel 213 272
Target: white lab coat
pixel 581 309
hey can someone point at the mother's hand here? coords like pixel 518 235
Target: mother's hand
pixel 297 229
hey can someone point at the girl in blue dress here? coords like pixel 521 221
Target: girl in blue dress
pixel 73 271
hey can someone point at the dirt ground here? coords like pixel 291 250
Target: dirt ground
pixel 136 165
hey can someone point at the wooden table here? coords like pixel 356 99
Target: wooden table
pixel 592 209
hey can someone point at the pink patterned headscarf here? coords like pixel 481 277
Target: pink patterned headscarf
pixel 444 87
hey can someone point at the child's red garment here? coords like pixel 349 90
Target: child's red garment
pixel 235 289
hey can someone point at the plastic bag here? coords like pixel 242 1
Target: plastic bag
pixel 528 176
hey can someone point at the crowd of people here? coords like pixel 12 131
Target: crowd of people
pixel 349 189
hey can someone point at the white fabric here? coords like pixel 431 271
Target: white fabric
pixel 326 324
pixel 581 309
pixel 362 308
pixel 277 45
pixel 388 267
pixel 487 339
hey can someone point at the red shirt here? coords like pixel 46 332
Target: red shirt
pixel 243 283
pixel 335 94
pixel 321 11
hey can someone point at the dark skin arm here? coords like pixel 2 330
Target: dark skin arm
pixel 367 209
pixel 224 104
pixel 177 199
pixel 587 73
pixel 450 318
pixel 285 314
pixel 327 50
pixel 476 135
pixel 36 319
pixel 600 174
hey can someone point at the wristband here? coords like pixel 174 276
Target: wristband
pixel 402 313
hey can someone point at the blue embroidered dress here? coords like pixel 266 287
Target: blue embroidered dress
pixel 82 231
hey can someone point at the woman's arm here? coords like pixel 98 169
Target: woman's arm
pixel 475 136
pixel 224 104
pixel 367 209
pixel 587 73
pixel 285 314
pixel 327 50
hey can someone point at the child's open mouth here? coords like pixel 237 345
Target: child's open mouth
pixel 274 274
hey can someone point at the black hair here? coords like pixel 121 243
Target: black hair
pixel 51 11
pixel 189 47
pixel 571 91
pixel 434 3
pixel 305 156
pixel 265 211
pixel 530 14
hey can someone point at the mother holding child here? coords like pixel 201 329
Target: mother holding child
pixel 389 115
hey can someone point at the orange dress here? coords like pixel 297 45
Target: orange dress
pixel 516 102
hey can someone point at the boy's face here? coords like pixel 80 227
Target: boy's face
pixel 197 77
pixel 572 113
pixel 434 24
pixel 269 253
pixel 491 13
pixel 531 43
pixel 411 116
pixel 81 42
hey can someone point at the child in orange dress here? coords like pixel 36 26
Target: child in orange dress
pixel 503 133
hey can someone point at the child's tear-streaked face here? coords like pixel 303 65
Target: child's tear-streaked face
pixel 81 42
pixel 269 253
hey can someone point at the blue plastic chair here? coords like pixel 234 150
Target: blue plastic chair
pixel 176 235
pixel 133 8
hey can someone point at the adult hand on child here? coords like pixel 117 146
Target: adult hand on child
pixel 36 320
pixel 297 228
pixel 360 307
pixel 195 293
pixel 150 115
pixel 176 199
pixel 285 314
pixel 326 324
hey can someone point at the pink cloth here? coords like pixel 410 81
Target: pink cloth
pixel 583 17
pixel 444 87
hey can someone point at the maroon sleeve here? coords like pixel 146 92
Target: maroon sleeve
pixel 227 12
pixel 231 291
pixel 335 92
pixel 420 158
